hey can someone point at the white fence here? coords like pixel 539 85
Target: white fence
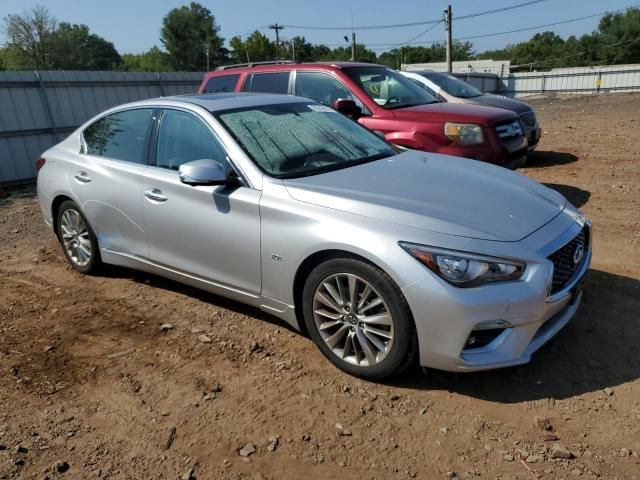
pixel 584 80
pixel 580 80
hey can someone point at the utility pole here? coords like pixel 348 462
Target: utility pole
pixel 447 22
pixel 277 28
pixel 207 50
pixel 353 46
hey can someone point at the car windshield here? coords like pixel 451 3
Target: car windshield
pixel 299 139
pixel 453 85
pixel 389 89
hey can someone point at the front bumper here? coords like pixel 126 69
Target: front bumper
pixel 510 153
pixel 445 316
pixel 533 135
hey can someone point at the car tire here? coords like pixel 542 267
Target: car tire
pixel 374 340
pixel 77 238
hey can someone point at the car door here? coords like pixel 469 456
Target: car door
pixel 212 232
pixel 323 88
pixel 108 178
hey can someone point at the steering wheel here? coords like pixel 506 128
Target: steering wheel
pixel 392 100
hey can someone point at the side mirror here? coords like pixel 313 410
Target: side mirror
pixel 203 172
pixel 347 107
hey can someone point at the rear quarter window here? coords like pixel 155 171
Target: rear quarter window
pixel 120 136
pixel 222 83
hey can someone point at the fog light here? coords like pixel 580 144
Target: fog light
pixel 482 337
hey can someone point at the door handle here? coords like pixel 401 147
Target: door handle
pixel 155 195
pixel 82 177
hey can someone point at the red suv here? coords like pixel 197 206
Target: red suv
pixel 387 102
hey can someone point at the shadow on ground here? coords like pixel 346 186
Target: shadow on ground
pixel 599 348
pixel 575 195
pixel 111 271
pixel 9 195
pixel 543 158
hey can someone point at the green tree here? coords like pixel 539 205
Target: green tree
pixel 418 54
pixel 29 37
pixel 363 54
pixel 74 47
pixel 153 60
pixel 256 48
pixel 619 37
pixel 186 33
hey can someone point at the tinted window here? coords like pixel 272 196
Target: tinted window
pixel 387 88
pixel 94 139
pixel 423 86
pixel 320 87
pixel 183 138
pixel 267 83
pixel 452 85
pixel 121 136
pixel 223 83
pixel 298 139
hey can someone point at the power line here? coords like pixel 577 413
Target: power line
pixel 524 29
pixel 414 24
pixel 421 34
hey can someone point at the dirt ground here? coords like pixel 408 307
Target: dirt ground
pixel 91 387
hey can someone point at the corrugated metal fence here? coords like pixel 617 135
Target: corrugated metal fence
pixel 580 80
pixel 586 80
pixel 38 109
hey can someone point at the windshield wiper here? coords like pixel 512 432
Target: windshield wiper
pixel 337 166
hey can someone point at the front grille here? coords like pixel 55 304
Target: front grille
pixel 564 267
pixel 528 118
pixel 509 129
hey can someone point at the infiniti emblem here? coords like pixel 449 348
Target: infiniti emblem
pixel 578 253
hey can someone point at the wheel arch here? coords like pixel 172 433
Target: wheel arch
pixel 312 261
pixel 55 207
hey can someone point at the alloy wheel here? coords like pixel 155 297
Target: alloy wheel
pixel 353 319
pixel 76 238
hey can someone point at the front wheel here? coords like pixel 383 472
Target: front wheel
pixel 358 317
pixel 77 238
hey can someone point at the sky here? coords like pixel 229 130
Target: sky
pixel 134 25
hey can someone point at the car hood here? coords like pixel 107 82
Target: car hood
pixel 501 102
pixel 438 193
pixel 451 112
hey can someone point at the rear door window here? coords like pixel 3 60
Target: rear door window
pixel 222 83
pixel 276 82
pixel 121 136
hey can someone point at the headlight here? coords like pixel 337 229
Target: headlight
pixel 464 133
pixel 464 269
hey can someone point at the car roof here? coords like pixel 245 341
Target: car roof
pixel 225 101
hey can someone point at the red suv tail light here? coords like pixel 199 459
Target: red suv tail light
pixel 40 163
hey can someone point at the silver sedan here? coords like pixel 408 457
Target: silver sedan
pixel 384 256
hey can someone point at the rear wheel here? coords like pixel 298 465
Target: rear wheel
pixel 358 317
pixel 77 238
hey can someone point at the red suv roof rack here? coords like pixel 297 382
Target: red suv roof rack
pixel 253 64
